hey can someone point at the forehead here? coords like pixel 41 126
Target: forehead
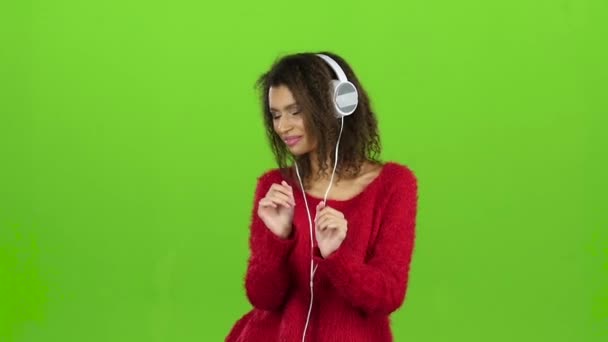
pixel 280 95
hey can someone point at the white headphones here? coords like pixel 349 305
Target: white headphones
pixel 343 93
pixel 345 99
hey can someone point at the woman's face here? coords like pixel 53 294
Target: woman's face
pixel 288 120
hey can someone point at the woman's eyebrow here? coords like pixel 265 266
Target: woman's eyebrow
pixel 286 108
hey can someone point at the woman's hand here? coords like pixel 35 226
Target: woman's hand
pixel 331 228
pixel 276 209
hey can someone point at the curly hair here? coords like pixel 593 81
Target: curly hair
pixel 308 78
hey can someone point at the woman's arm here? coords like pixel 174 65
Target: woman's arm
pixel 379 286
pixel 267 280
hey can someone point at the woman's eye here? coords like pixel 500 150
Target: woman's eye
pixel 275 117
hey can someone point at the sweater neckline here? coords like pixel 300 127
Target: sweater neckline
pixel 360 194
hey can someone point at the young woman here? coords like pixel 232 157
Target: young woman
pixel 325 265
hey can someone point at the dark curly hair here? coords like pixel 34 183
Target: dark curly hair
pixel 308 78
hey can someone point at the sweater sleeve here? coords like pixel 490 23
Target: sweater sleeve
pixel 267 279
pixel 379 285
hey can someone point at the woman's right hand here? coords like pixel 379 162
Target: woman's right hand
pixel 276 209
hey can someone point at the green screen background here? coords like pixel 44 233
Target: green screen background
pixel 131 139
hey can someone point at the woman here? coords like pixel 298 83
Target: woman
pixel 358 249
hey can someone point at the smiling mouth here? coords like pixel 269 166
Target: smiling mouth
pixel 292 141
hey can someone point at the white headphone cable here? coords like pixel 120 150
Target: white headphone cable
pixel 313 268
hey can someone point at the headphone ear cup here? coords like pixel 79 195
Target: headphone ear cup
pixel 344 97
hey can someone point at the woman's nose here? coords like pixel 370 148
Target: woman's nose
pixel 284 124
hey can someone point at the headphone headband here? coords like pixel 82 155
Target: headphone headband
pixel 335 66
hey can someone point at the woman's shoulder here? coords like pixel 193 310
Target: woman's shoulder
pixel 400 183
pixel 398 173
pixel 398 179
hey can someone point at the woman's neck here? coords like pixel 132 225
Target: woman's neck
pixel 324 178
pixel 314 169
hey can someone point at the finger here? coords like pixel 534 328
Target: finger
pixel 265 203
pixel 323 211
pixel 320 224
pixel 328 213
pixel 290 191
pixel 278 201
pixel 281 202
pixel 334 212
pixel 320 206
pixel 319 216
pixel 334 223
pixel 321 221
pixel 281 189
pixel 287 185
pixel 331 211
pixel 318 209
pixel 339 226
pixel 281 198
pixel 325 222
pixel 279 195
pixel 286 189
pixel 327 227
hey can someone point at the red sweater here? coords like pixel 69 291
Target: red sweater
pixel 356 288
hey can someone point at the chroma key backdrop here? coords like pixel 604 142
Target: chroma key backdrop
pixel 131 138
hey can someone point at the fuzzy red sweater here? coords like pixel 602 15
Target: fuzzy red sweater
pixel 356 288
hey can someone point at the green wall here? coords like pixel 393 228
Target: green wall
pixel 131 139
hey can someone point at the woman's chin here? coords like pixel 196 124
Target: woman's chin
pixel 297 151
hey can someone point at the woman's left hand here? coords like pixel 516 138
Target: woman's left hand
pixel 330 228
